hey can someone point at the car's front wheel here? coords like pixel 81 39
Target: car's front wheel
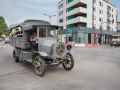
pixel 39 66
pixel 68 63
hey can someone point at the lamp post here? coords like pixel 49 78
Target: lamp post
pixel 50 16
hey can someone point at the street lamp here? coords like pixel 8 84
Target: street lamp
pixel 50 16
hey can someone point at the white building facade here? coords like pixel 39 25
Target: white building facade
pixel 87 21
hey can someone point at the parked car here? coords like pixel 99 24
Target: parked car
pixel 7 41
pixel 115 44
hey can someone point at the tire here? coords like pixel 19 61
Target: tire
pixel 39 66
pixel 68 63
pixel 13 53
pixel 16 58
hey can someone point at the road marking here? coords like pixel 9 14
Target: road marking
pixel 4 46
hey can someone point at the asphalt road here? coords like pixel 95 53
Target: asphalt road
pixel 95 69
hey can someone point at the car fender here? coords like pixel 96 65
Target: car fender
pixel 43 54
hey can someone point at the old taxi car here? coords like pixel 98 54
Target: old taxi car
pixel 47 50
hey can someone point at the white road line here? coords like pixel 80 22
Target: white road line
pixel 4 46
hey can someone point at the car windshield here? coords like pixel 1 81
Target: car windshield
pixel 47 32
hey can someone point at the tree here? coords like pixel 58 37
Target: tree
pixel 3 26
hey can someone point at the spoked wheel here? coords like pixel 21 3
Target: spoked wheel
pixel 39 66
pixel 68 63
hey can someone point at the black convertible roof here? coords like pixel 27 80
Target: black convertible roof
pixel 32 23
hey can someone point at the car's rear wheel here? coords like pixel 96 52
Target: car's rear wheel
pixel 15 57
pixel 39 66
pixel 13 53
pixel 68 63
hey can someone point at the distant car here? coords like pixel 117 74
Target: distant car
pixel 115 44
pixel 7 41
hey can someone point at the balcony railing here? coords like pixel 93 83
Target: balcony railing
pixel 76 2
pixel 77 20
pixel 77 11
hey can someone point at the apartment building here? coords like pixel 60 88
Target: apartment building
pixel 87 21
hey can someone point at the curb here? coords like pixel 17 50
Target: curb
pixel 86 45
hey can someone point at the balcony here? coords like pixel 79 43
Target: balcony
pixel 77 20
pixel 77 3
pixel 79 10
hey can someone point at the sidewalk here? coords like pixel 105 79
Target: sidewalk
pixel 91 45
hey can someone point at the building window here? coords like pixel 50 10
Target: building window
pixel 101 11
pixel 61 5
pixel 101 19
pixel 113 21
pixel 112 9
pixel 101 4
pixel 108 8
pixel 69 9
pixel 108 20
pixel 60 13
pixel 60 20
pixel 100 27
pixel 109 15
pixel 94 9
pixel 94 26
pixel 94 17
pixel 68 1
pixel 108 28
pixel 70 17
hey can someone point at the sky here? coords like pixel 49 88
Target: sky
pixel 15 11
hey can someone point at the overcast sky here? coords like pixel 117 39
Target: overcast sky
pixel 15 11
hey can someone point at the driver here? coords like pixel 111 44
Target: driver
pixel 33 41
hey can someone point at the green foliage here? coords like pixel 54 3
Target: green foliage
pixel 3 26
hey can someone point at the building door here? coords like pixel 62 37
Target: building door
pixel 94 38
pixel 79 39
pixel 70 39
pixel 105 39
pixel 100 39
pixel 89 38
